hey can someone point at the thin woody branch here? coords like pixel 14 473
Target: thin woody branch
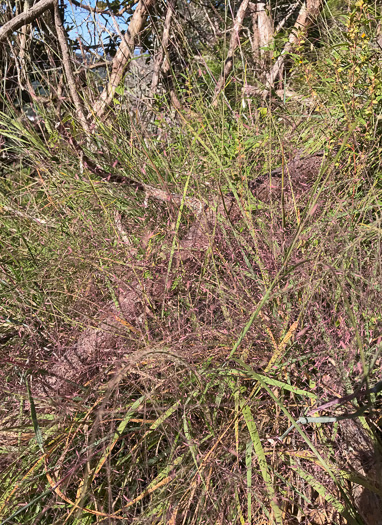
pixel 308 13
pixel 68 69
pixel 24 18
pixel 234 42
pixel 164 44
pixel 123 55
pixel 101 11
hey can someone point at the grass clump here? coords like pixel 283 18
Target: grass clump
pixel 157 346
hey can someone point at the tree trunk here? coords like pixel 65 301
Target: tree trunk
pixel 123 55
pixel 262 26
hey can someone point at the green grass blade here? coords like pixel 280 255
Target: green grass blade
pixel 250 422
pixel 36 426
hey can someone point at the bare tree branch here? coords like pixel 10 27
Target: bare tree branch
pixel 32 93
pixel 23 39
pixel 124 53
pixel 68 69
pixel 290 12
pixel 231 51
pixel 28 216
pixel 161 53
pixel 24 18
pixel 308 13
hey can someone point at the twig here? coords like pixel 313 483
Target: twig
pixel 100 11
pixel 25 215
pixel 234 42
pixel 120 229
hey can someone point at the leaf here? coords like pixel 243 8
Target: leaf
pixel 36 426
pixel 118 433
pixel 323 492
pixel 120 90
pixel 275 382
pixel 250 422
pixel 248 464
pixel 190 441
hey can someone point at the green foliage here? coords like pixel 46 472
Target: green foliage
pixel 346 77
